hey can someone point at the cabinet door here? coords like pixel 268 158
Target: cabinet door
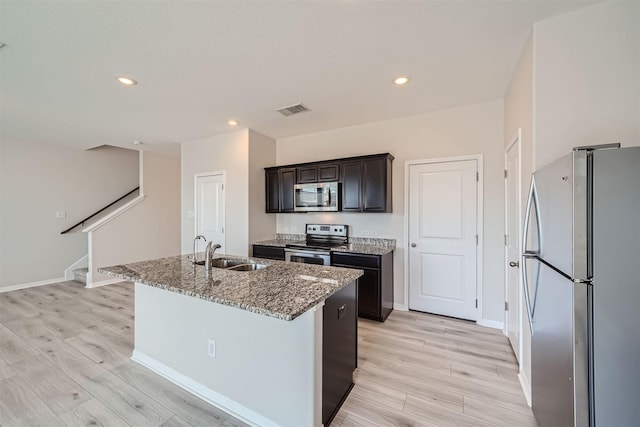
pixel 374 185
pixel 369 294
pixel 272 179
pixel 287 181
pixel 328 172
pixel 351 186
pixel 270 252
pixel 307 174
pixel 339 349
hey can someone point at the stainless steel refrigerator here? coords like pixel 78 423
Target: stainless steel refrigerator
pixel 581 276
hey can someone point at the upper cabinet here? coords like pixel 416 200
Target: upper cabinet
pixel 279 184
pixel 318 173
pixel 272 180
pixel 287 181
pixel 376 184
pixel 365 182
pixel 351 186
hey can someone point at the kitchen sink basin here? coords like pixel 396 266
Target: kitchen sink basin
pixel 247 267
pixel 235 264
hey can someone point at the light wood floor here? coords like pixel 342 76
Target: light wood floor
pixel 64 361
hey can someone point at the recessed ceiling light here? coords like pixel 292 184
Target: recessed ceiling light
pixel 401 81
pixel 233 122
pixel 127 81
pixel 137 142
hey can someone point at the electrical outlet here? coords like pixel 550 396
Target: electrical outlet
pixel 212 349
pixel 61 214
pixel 285 230
pixel 294 230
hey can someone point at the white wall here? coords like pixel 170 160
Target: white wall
pixel 518 113
pixel 587 79
pixel 228 153
pixel 242 155
pixel 467 130
pixel 149 230
pixel 262 153
pixel 37 180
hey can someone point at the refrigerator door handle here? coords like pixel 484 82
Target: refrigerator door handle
pixel 532 201
pixel 527 298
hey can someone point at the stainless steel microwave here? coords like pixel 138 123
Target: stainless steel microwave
pixel 317 197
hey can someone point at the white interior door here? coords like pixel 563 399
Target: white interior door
pixel 512 243
pixel 209 201
pixel 443 238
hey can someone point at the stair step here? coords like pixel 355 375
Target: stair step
pixel 80 275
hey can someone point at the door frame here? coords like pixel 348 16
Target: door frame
pixel 195 200
pixel 516 139
pixel 479 225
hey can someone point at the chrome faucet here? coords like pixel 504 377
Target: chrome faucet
pixel 198 237
pixel 208 255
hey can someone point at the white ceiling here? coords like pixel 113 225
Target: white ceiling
pixel 200 63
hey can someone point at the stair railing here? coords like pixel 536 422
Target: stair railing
pixel 99 211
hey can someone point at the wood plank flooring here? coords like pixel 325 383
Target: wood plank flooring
pixel 64 361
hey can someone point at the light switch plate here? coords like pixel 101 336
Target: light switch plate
pixel 61 214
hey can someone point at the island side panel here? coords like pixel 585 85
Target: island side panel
pixel 266 371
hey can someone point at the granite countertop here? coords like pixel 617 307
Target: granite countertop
pixel 356 245
pixel 283 290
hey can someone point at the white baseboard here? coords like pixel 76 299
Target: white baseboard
pixel 103 283
pixel 526 386
pixel 400 307
pixel 81 263
pixel 491 324
pixel 31 285
pixel 203 392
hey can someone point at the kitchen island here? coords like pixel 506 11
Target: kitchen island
pixel 267 345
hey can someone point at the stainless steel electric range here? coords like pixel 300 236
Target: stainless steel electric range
pixel 320 239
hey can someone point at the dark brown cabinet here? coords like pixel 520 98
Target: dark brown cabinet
pixel 375 287
pixel 318 173
pixel 287 181
pixel 269 252
pixel 328 172
pixel 365 182
pixel 376 185
pixel 339 349
pixel 308 174
pixel 351 186
pixel 272 180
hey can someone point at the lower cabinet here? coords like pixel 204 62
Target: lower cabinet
pixel 375 288
pixel 339 349
pixel 269 252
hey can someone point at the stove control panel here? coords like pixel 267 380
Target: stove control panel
pixel 337 230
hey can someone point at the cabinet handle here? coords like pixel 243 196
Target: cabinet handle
pixel 342 310
pixel 514 264
pixel 413 245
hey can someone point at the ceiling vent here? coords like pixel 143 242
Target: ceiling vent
pixel 293 109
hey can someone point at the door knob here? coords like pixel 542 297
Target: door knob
pixel 413 245
pixel 514 264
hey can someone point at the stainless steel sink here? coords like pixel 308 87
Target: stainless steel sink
pixel 248 267
pixel 235 264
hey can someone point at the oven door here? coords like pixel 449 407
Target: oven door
pixel 307 256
